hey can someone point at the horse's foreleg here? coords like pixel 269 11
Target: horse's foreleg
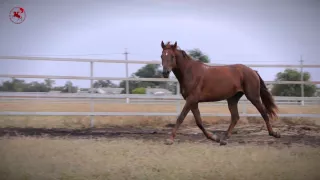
pixel 234 119
pixel 179 121
pixel 197 116
pixel 233 108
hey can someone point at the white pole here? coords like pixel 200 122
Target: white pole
pixel 302 85
pixel 91 99
pixel 127 74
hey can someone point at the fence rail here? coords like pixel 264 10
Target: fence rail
pixel 92 97
pixel 132 79
pixel 15 113
pixel 131 96
pixel 142 62
pixel 150 101
pixel 137 101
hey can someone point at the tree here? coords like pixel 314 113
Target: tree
pixel 147 71
pixel 19 85
pixel 199 55
pixel 293 89
pixel 69 88
pixel 103 84
pixel 49 83
pixel 35 86
pixel 14 85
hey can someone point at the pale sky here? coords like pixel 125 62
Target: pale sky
pixel 229 31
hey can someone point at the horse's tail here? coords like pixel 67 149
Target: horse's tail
pixel 267 99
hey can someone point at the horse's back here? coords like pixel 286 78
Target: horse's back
pixel 249 77
pixel 226 71
pixel 233 75
pixel 239 70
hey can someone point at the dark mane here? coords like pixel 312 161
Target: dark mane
pixel 184 54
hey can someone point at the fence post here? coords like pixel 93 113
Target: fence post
pixel 91 98
pixel 302 81
pixel 178 101
pixel 244 108
pixel 178 107
pixel 127 75
pixel 178 88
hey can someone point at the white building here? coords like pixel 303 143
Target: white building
pixel 106 90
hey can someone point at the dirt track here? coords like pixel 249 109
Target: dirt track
pixel 250 134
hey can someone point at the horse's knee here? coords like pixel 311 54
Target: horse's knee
pixel 235 118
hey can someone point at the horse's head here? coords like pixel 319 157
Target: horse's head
pixel 168 58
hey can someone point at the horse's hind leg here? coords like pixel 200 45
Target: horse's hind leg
pixel 255 100
pixel 197 117
pixel 233 108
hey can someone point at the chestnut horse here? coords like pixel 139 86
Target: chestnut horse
pixel 203 83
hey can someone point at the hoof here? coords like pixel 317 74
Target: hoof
pixel 275 134
pixel 168 142
pixel 215 138
pixel 223 142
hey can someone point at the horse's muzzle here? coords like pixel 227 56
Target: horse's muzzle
pixel 165 73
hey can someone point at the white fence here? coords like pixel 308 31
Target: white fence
pixel 84 96
pixel 174 98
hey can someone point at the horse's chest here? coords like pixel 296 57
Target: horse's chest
pixel 189 77
pixel 189 83
pixel 186 89
pixel 183 92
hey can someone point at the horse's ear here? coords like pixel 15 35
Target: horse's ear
pixel 175 45
pixel 162 45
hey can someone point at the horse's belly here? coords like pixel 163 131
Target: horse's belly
pixel 214 97
pixel 218 93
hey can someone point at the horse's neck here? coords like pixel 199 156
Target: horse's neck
pixel 178 74
pixel 181 67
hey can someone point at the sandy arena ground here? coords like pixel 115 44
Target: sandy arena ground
pixel 38 147
pixel 137 157
pixel 34 105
